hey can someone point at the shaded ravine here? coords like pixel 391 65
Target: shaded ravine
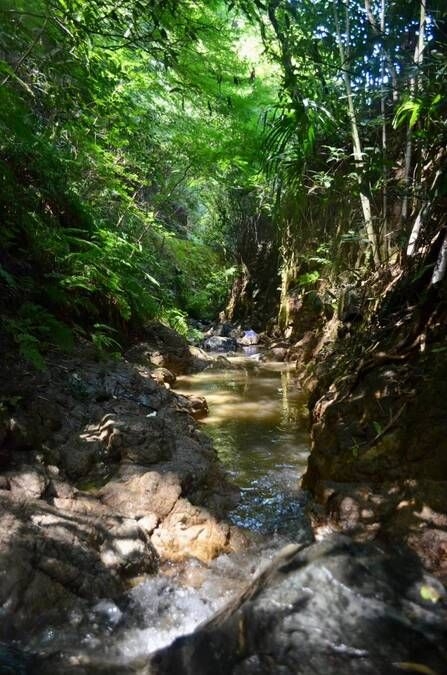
pixel 257 422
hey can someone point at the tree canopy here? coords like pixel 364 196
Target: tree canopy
pixel 152 150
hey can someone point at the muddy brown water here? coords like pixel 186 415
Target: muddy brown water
pixel 258 422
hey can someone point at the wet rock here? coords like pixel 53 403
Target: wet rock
pixel 142 495
pixel 334 607
pixel 249 338
pixel 200 359
pixel 278 352
pixel 221 362
pixel 215 343
pixel 195 405
pixel 54 560
pixel 190 531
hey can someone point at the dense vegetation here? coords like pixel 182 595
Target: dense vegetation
pixel 122 128
pixel 151 152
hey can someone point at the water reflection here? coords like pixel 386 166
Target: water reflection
pixel 257 423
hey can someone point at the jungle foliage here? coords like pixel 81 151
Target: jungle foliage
pixel 356 150
pixel 152 151
pixel 121 126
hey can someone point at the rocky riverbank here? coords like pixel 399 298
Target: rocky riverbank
pixel 378 462
pixel 104 474
pixel 105 477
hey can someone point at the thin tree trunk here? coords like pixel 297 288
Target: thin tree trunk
pixel 414 85
pixel 383 97
pixel 441 264
pixel 356 143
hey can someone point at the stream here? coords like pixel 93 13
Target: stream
pixel 257 419
pixel 258 422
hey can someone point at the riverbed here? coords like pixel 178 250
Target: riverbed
pixel 258 422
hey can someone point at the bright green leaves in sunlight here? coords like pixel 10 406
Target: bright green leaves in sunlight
pixel 122 127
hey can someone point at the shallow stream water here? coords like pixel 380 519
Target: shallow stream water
pixel 258 423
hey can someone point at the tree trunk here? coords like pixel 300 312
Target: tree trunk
pixel 356 143
pixel 414 85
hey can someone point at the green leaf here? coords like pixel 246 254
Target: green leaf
pixel 8 278
pixel 429 594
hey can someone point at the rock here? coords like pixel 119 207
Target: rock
pixel 334 607
pixel 81 503
pixel 221 362
pixel 412 511
pixel 190 531
pixel 278 353
pixel 148 523
pixel 200 359
pixel 224 330
pixel 127 550
pixel 147 440
pixel 199 407
pixel 54 560
pixel 162 347
pixel 142 495
pixel 78 456
pixel 249 338
pixel 28 481
pixel 163 376
pixel 216 343
pixel 111 419
pixel 193 462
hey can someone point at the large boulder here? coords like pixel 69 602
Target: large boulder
pixel 334 607
pixel 55 559
pixel 162 347
pixel 142 495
